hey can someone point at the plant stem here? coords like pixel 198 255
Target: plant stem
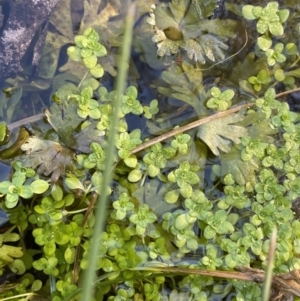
pixel 287 92
pixel 76 211
pixel 199 122
pixel 189 126
pixel 270 266
pixel 89 274
pixel 84 77
pixel 28 295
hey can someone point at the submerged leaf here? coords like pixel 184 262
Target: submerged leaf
pixel 48 156
pixel 181 25
pixel 64 120
pixel 217 133
pixel 242 171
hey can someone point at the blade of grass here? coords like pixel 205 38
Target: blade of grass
pixel 269 269
pixel 89 274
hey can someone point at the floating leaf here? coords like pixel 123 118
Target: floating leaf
pixel 39 186
pixel 74 183
pixel 64 120
pixel 17 267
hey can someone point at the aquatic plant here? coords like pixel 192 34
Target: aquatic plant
pixel 184 25
pixel 165 228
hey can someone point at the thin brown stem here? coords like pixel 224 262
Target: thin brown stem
pixel 27 120
pixel 220 274
pixel 189 126
pixel 199 122
pixel 287 92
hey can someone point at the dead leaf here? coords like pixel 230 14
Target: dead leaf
pixel 218 133
pixel 48 156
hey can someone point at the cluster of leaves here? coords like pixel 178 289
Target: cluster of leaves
pixel 88 49
pixel 184 26
pixel 229 221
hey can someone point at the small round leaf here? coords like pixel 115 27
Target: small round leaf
pixel 39 186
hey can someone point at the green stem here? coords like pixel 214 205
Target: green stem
pixel 76 211
pixel 28 295
pixel 270 266
pixel 89 275
pixel 295 62
pixel 84 77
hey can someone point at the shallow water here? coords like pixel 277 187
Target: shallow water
pixel 146 73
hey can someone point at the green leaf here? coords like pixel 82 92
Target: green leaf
pixel 26 191
pixel 291 48
pixel 152 170
pixel 262 26
pixel 36 285
pixel 56 192
pixel 90 62
pixel 276 29
pixel 74 53
pixel 135 175
pixel 69 255
pixel 131 161
pixel 11 200
pixel 283 15
pixel 181 222
pixel 17 267
pixel 295 72
pixel 7 253
pixel 171 196
pixel 247 12
pixel 209 232
pixel 100 50
pixel 97 71
pixel 39 186
pixel 264 42
pixel 91 82
pixel 279 75
pixel 74 183
pixel 4 187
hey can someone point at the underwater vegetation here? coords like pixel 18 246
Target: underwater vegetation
pixel 170 198
pixel 182 25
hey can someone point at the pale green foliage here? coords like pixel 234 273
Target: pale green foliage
pixel 269 18
pixel 161 209
pixel 142 218
pixel 185 176
pixel 18 188
pixel 157 158
pixel 220 100
pixel 275 55
pixel 261 79
pixel 88 49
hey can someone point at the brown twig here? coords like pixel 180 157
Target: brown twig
pixel 253 275
pixel 199 122
pixel 287 92
pixel 282 284
pixel 27 120
pixel 189 126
